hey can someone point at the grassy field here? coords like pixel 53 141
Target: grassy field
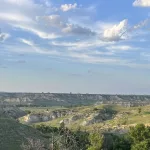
pixel 123 117
pixel 41 109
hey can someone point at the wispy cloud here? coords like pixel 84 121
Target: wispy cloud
pixel 30 43
pixel 15 17
pixel 38 32
pixel 121 48
pixel 39 49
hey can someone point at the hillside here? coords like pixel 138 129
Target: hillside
pixel 103 117
pixel 14 134
pixel 9 111
pixel 64 99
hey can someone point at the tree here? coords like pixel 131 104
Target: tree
pixel 145 145
pixel 96 141
pixel 140 136
pixel 139 133
pixel 121 143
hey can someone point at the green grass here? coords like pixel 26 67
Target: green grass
pixel 123 116
pixel 41 109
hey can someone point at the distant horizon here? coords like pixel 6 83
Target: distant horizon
pixel 72 93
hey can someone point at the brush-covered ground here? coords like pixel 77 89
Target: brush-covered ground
pixel 60 128
pixel 14 134
pixel 104 117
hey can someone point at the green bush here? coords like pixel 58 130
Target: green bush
pixel 96 141
pixel 121 143
pixel 138 138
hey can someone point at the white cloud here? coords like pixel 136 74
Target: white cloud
pixel 82 45
pixel 85 57
pixel 24 17
pixel 92 59
pixel 52 20
pixel 14 17
pixel 141 3
pixel 116 32
pixel 141 24
pixel 67 7
pixel 99 25
pixel 121 47
pixel 17 2
pixel 41 34
pixel 65 26
pixel 40 18
pixel 30 43
pixel 104 53
pixel 76 29
pixel 38 49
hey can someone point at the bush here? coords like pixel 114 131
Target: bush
pixel 96 141
pixel 138 138
pixel 63 138
pixel 121 143
pixel 28 111
pixel 46 129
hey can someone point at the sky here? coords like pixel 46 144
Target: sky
pixel 78 46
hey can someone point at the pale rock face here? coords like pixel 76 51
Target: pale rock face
pixel 67 99
pixel 33 119
pixel 96 118
pixel 47 116
pixel 65 121
pixel 89 118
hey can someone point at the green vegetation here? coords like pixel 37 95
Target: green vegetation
pixel 111 116
pixel 12 134
pixel 96 141
pixel 138 138
pixel 109 127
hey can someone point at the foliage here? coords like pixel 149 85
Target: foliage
pixel 144 145
pixel 33 145
pixel 121 143
pixel 138 138
pixel 62 138
pixel 140 135
pixel 45 129
pixel 28 111
pixel 96 141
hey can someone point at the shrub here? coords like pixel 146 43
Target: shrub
pixel 96 141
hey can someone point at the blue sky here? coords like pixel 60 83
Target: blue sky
pixel 86 46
